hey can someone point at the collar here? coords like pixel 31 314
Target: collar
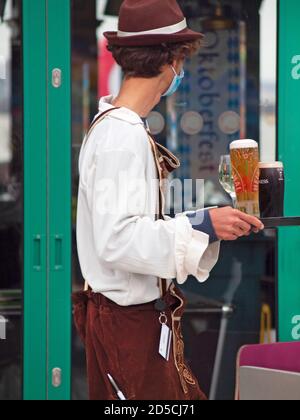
pixel 124 114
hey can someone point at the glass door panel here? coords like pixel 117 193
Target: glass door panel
pixel 85 80
pixel 229 93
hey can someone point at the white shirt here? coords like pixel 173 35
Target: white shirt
pixel 123 252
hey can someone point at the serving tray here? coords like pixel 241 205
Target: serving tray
pixel 274 222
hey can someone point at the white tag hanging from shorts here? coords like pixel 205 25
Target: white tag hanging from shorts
pixel 165 337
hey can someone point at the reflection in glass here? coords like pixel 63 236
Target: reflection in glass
pixel 11 202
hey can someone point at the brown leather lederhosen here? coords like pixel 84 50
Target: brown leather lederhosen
pixel 124 341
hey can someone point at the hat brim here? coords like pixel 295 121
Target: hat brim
pixel 147 40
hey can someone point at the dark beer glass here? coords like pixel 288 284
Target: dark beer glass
pixel 271 189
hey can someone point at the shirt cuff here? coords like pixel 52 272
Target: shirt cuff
pixel 201 221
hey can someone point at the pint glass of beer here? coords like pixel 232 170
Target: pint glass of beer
pixel 245 170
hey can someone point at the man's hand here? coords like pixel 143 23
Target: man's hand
pixel 231 224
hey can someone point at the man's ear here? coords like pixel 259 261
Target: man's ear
pixel 164 70
pixel 175 64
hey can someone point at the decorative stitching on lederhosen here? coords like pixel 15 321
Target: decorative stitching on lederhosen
pixel 166 163
pixel 184 372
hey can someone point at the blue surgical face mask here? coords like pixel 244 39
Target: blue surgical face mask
pixel 175 83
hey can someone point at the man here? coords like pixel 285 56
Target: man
pixel 132 327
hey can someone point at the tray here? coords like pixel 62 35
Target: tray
pixel 274 222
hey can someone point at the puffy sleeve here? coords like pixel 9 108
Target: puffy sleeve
pixel 128 239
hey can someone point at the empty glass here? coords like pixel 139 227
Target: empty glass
pixel 226 177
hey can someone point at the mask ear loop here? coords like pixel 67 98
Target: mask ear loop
pixel 175 72
pixel 181 75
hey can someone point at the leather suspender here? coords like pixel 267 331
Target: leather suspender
pixel 163 284
pixel 96 121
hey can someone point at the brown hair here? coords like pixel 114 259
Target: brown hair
pixel 147 61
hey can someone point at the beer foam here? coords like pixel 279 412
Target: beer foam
pixel 243 144
pixel 271 165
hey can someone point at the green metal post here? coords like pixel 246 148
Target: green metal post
pixel 35 199
pixel 289 153
pixel 59 185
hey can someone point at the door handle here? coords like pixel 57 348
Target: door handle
pixel 56 377
pixel 57 252
pixel 37 253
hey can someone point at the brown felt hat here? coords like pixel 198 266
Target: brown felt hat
pixel 151 22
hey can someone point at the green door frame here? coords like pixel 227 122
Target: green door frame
pixel 289 152
pixel 35 200
pixel 47 200
pixel 59 199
